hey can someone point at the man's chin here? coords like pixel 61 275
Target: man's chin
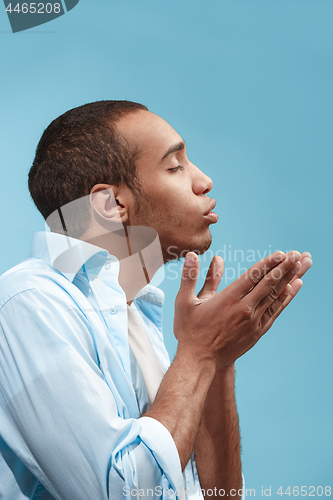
pixel 174 252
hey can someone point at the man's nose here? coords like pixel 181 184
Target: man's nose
pixel 202 184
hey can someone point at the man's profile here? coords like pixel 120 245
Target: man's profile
pixel 91 407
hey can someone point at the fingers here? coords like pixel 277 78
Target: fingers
pixel 272 284
pixel 272 309
pixel 213 278
pixel 276 286
pixel 189 279
pixel 281 303
pixel 306 263
pixel 294 286
pixel 285 290
pixel 252 276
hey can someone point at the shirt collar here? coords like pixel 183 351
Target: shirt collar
pixel 68 255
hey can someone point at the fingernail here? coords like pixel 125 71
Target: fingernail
pixel 295 257
pixel 190 259
pixel 296 267
pixel 286 291
pixel 280 257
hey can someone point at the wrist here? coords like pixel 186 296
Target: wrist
pixel 223 383
pixel 202 367
pixel 226 370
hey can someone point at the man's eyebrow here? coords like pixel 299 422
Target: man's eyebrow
pixel 177 147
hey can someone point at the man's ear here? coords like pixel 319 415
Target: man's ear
pixel 110 202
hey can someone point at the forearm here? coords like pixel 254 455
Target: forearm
pixel 180 401
pixel 217 446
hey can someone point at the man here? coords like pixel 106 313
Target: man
pixel 82 355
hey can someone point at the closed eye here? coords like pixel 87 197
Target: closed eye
pixel 174 169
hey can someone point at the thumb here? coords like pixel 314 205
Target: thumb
pixel 189 278
pixel 213 279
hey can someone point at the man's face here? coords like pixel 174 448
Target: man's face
pixel 175 201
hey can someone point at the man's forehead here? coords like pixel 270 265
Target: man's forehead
pixel 147 130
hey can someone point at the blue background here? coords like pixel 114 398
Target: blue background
pixel 248 84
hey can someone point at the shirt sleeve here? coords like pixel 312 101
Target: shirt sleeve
pixel 62 418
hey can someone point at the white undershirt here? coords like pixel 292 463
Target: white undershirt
pixel 148 361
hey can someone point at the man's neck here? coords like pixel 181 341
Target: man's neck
pixel 139 254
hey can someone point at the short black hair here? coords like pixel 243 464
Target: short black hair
pixel 80 149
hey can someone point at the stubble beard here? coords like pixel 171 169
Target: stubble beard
pixel 177 252
pixel 172 247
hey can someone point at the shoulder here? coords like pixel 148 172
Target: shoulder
pixel 31 274
pixel 40 305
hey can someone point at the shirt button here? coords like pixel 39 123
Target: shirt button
pixel 113 310
pixel 107 266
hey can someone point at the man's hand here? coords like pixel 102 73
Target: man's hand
pixel 213 330
pixel 221 327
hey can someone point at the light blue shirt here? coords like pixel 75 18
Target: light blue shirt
pixel 71 391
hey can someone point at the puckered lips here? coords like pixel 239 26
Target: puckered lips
pixel 210 215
